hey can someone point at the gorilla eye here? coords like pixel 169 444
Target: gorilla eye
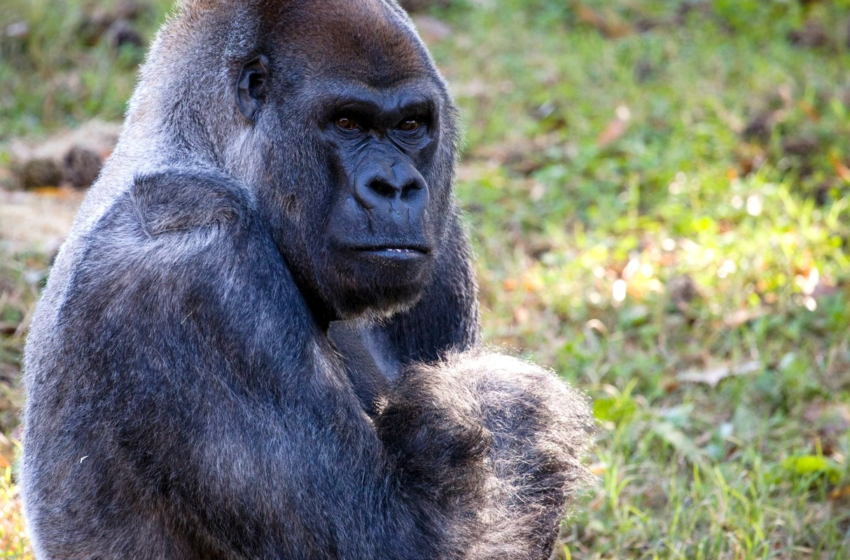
pixel 347 124
pixel 410 125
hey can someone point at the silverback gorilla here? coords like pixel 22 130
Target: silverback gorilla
pixel 261 338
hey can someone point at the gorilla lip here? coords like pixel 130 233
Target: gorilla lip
pixel 395 252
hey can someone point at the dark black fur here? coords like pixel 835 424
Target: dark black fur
pixel 219 370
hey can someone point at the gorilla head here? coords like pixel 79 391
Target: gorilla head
pixel 346 134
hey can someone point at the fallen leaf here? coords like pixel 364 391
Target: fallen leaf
pixel 616 128
pixel 809 109
pixel 839 493
pixel 714 376
pixel 743 316
pixel 609 23
pixel 531 283
pixel 54 192
pixel 840 169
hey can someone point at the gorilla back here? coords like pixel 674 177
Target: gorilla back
pixel 286 166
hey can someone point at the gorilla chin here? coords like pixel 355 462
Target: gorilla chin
pixel 380 280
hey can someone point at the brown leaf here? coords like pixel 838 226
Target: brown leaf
pixel 840 169
pixel 609 23
pixel 616 128
pixel 810 110
pixel 531 283
pixel 838 493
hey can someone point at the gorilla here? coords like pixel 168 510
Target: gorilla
pixel 261 339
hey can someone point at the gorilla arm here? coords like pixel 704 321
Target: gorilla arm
pixel 198 391
pixel 213 420
pixel 540 429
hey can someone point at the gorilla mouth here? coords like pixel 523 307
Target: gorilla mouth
pixel 395 252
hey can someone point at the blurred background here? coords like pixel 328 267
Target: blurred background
pixel 659 197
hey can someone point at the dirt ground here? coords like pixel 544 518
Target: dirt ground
pixel 37 220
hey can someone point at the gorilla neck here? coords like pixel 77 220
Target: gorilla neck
pixel 325 313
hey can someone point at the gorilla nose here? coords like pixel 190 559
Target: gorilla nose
pixel 381 188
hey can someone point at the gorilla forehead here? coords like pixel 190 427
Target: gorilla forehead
pixel 371 42
pixel 368 41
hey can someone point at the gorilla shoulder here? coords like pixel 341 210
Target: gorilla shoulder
pixel 171 234
pixel 188 203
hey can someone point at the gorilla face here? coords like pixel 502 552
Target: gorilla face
pixel 379 233
pixel 359 164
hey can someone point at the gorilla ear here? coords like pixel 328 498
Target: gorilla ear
pixel 251 86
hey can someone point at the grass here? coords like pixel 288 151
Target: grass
pixel 17 297
pixel 659 195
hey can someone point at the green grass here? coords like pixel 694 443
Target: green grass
pixel 62 73
pixel 633 223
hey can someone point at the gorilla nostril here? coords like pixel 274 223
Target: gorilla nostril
pixel 383 188
pixel 411 189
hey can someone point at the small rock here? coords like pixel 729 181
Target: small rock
pixel 40 173
pixel 759 128
pixel 823 190
pixel 121 33
pixel 644 69
pixel 800 146
pixel 813 35
pixel 17 30
pixel 683 290
pixel 73 156
pixel 81 167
